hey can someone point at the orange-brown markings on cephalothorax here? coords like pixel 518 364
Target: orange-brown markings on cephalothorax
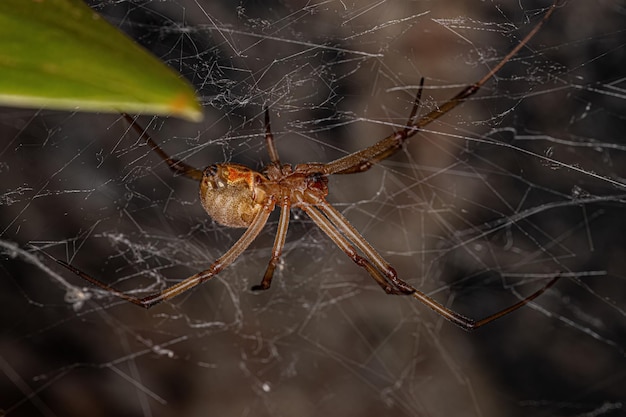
pixel 238 173
pixel 285 181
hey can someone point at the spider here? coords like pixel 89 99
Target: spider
pixel 237 196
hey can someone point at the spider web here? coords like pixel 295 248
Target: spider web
pixel 480 209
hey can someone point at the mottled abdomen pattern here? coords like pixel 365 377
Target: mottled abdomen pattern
pixel 230 194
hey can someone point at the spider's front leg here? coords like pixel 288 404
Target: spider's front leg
pixel 363 160
pixel 345 236
pixel 381 270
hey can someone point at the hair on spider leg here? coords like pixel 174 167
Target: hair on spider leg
pixel 237 196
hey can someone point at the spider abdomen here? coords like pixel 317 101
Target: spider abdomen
pixel 230 194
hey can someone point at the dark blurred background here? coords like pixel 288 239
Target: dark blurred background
pixel 522 182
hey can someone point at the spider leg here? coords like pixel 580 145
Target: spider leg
pixel 175 165
pixel 387 147
pixel 216 267
pixel 363 160
pixel 340 231
pixel 469 324
pixel 269 139
pixel 343 225
pixel 343 244
pixel 416 104
pixel 279 243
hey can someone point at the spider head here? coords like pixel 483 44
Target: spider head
pixel 231 194
pixel 317 182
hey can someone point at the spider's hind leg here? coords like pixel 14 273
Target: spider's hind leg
pixel 175 165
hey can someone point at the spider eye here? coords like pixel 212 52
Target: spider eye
pixel 318 181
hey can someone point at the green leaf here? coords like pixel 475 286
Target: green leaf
pixel 61 54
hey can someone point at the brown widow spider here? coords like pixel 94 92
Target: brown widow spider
pixel 237 196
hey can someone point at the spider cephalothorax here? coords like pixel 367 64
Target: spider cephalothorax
pixel 237 196
pixel 233 194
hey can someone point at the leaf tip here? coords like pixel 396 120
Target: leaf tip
pixel 187 107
